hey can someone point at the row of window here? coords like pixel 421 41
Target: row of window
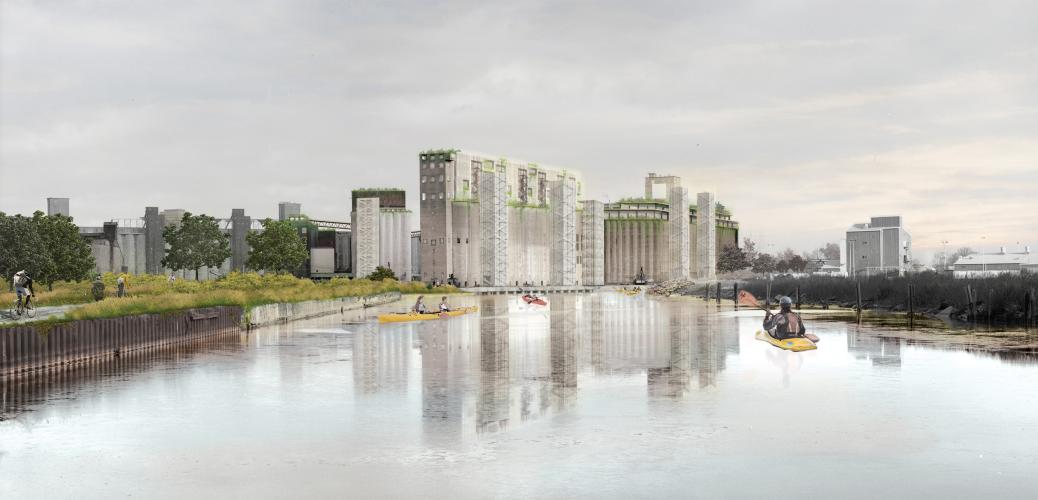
pixel 431 178
pixel 430 166
pixel 432 196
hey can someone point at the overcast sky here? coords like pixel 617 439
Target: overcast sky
pixel 804 117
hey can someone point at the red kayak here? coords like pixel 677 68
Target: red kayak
pixel 529 299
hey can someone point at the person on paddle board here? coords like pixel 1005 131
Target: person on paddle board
pixel 786 324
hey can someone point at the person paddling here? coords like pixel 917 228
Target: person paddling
pixel 419 305
pixel 443 305
pixel 786 324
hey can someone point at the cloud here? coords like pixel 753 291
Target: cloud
pixel 805 118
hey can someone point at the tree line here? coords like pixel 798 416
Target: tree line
pixel 732 258
pixel 49 247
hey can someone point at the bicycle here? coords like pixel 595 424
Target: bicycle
pixel 23 309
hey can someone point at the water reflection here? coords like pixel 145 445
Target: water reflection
pixel 881 351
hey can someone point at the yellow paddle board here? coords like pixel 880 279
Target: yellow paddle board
pixel 794 344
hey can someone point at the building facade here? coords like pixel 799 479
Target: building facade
pixel 288 209
pixel 879 246
pixel 488 220
pixel 979 265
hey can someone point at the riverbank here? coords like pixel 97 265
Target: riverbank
pixel 1008 300
pixel 152 294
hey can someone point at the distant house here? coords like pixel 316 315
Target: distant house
pixel 824 267
pixel 993 264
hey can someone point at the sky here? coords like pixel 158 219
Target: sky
pixel 803 117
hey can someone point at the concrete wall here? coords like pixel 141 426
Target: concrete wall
pixel 633 244
pixel 280 313
pixel 57 206
pixel 25 349
pixel 593 243
pixel 706 239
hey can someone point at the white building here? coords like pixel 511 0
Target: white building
pixel 878 247
pixel 979 265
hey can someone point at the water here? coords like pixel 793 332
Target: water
pixel 602 396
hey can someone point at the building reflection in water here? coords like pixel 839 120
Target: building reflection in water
pixel 382 356
pixel 513 363
pixel 881 351
pixel 495 376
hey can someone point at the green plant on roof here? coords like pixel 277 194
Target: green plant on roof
pixel 644 200
pixel 439 152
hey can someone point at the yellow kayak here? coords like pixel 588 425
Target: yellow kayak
pixel 400 317
pixel 794 344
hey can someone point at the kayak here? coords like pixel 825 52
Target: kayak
pixel 534 300
pixel 409 316
pixel 629 292
pixel 794 344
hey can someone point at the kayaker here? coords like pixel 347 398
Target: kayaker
pixel 786 324
pixel 419 305
pixel 443 305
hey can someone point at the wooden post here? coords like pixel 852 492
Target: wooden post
pixel 798 297
pixel 718 292
pixel 735 294
pixel 767 298
pixel 969 301
pixel 911 308
pixel 859 300
pixel 990 293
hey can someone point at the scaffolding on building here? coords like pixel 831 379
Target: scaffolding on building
pixel 679 233
pixel 366 236
pixel 493 212
pixel 706 237
pixel 593 229
pixel 564 232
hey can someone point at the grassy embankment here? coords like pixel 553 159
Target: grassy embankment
pixel 1003 297
pixel 152 294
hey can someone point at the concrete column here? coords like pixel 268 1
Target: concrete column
pixel 154 243
pixel 240 224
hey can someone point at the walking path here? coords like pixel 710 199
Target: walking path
pixel 43 312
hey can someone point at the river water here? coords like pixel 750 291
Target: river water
pixel 596 396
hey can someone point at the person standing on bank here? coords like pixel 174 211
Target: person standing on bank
pixel 120 283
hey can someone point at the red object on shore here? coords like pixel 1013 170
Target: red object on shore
pixel 534 300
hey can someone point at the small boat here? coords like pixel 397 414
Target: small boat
pixel 796 344
pixel 530 299
pixel 410 316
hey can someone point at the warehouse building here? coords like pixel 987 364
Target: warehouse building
pixel 880 246
pixel 979 265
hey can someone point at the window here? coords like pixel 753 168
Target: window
pixel 423 196
pixel 459 239
pixel 423 179
pixel 465 185
pixel 441 177
pixel 441 196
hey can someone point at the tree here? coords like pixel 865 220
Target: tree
pixel 749 248
pixel 782 266
pixel 382 273
pixel 731 259
pixel 195 243
pixel 797 264
pixel 958 254
pixel 764 263
pixel 787 254
pixel 278 248
pixel 69 255
pixel 830 251
pixel 21 248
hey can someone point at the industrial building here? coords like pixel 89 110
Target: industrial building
pixel 382 229
pixel 288 210
pixel 980 265
pixel 880 246
pixel 659 236
pixel 493 221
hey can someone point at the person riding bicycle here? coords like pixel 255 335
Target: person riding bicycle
pixel 23 286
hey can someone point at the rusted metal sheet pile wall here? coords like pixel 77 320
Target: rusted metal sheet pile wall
pixel 28 348
pixel 268 314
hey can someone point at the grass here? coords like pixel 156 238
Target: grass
pixel 152 294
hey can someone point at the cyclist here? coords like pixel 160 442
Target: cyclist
pixel 23 286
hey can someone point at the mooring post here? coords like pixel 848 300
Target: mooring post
pixel 767 298
pixel 969 301
pixel 735 294
pixel 858 286
pixel 798 296
pixel 990 293
pixel 911 307
pixel 718 292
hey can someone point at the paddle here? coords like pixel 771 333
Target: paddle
pixel 747 299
